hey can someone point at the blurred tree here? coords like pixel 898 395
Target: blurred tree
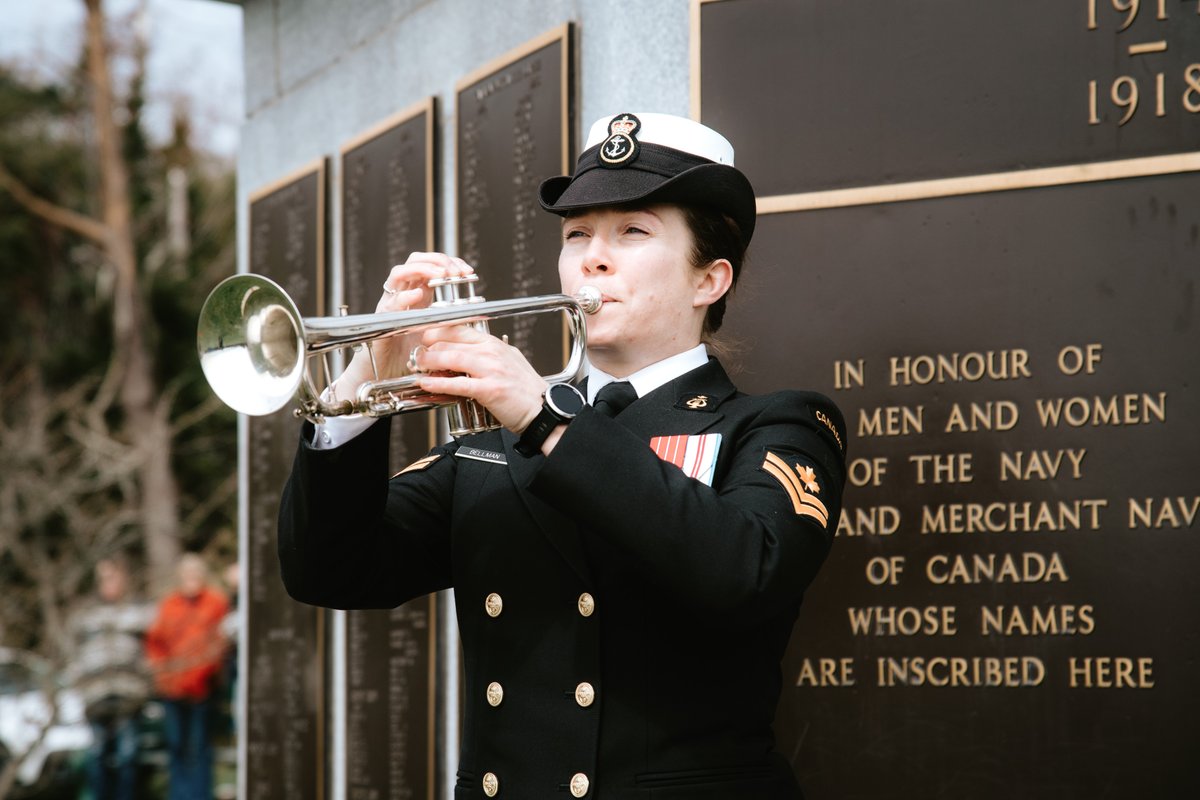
pixel 108 245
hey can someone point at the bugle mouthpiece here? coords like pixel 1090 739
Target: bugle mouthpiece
pixel 588 298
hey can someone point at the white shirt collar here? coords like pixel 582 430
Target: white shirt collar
pixel 649 378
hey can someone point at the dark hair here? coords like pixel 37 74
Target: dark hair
pixel 715 235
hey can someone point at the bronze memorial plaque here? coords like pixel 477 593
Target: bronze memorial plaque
pixel 388 211
pixel 850 94
pixel 285 714
pixel 514 128
pixel 1006 611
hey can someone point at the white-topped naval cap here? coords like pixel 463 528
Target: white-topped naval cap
pixel 669 130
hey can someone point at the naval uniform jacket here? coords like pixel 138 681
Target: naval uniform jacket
pixel 622 623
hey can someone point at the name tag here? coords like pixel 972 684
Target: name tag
pixel 475 454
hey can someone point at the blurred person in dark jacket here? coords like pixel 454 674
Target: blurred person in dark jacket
pixel 186 647
pixel 110 674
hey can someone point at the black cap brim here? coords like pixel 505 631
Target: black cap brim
pixel 707 185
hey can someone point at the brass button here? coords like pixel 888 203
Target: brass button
pixel 587 604
pixel 491 784
pixel 493 605
pixel 585 694
pixel 579 784
pixel 495 694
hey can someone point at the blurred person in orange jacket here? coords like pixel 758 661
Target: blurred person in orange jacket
pixel 185 647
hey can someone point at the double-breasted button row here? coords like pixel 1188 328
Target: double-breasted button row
pixel 585 694
pixel 493 604
pixel 579 784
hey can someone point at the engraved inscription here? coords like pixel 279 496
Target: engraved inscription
pixel 283 686
pixel 1167 91
pixel 511 125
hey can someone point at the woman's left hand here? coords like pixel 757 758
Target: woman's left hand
pixel 488 370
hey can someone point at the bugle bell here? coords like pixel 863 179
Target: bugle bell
pixel 254 348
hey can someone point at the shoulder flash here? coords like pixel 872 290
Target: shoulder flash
pixel 829 419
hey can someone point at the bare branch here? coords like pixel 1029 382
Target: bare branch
pixel 51 212
pixel 196 415
pixel 216 499
pixel 106 395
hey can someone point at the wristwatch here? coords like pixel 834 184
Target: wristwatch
pixel 560 403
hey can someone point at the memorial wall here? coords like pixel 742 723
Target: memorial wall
pixel 388 211
pixel 284 684
pixel 514 127
pixel 979 234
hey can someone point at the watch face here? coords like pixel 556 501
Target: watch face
pixel 565 399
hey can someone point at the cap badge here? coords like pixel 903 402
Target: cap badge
pixel 621 146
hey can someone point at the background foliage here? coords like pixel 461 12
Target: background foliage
pixel 71 489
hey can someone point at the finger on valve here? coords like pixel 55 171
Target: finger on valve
pixel 423 267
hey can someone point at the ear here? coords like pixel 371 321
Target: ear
pixel 713 283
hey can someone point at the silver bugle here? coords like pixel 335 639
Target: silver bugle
pixel 254 348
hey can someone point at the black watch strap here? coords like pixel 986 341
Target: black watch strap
pixel 560 404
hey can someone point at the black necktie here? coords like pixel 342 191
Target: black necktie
pixel 612 399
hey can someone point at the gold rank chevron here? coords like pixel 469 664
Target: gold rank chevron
pixel 803 502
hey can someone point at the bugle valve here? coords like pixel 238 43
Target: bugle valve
pixel 254 348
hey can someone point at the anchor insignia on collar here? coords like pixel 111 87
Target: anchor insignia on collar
pixel 697 402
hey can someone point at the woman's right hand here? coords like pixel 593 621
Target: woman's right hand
pixel 406 288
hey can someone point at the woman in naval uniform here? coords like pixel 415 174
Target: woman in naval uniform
pixel 626 571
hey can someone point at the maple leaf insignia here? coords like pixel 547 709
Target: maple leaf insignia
pixel 809 477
